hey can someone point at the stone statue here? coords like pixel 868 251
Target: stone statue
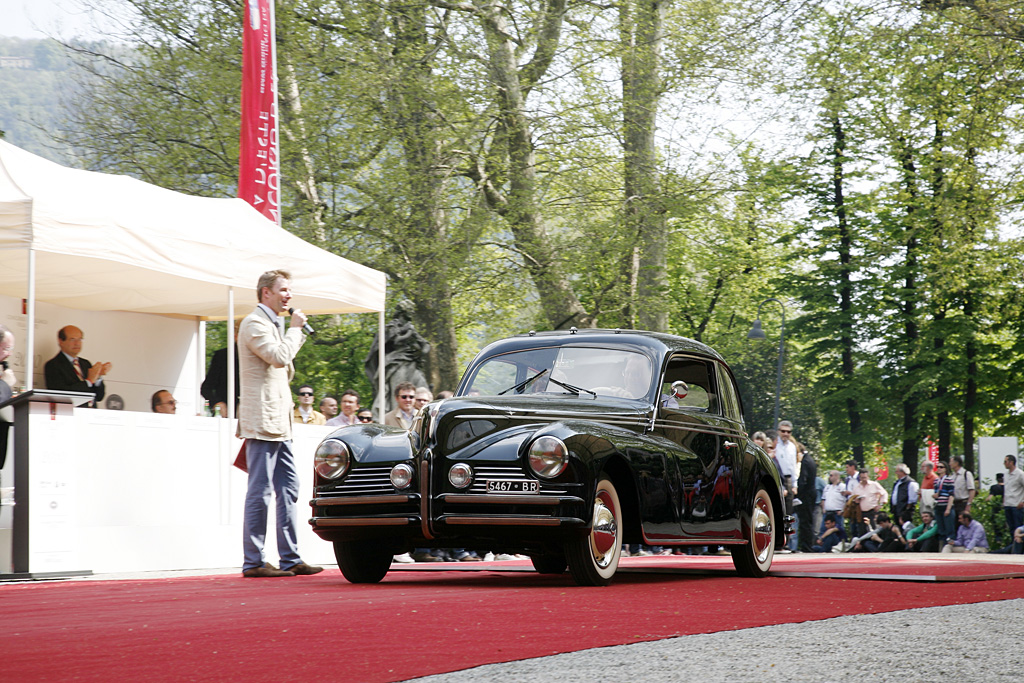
pixel 405 353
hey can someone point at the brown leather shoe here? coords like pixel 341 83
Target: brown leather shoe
pixel 303 569
pixel 267 570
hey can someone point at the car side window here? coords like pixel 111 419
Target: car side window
pixel 689 384
pixel 731 407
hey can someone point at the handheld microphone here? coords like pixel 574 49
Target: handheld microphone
pixel 307 328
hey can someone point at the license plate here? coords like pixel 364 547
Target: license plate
pixel 507 486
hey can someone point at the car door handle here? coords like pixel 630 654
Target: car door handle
pixel 731 444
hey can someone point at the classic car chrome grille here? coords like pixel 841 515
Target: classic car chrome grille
pixel 364 481
pixel 514 473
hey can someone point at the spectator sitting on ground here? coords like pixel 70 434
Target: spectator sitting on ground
pixel 831 537
pixel 874 540
pixel 1016 547
pixel 896 543
pixel 970 536
pixel 163 402
pixel 924 538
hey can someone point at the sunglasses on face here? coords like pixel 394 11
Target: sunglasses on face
pixel 305 393
pixel 409 396
pixel 365 418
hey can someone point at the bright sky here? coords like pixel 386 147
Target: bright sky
pixel 39 18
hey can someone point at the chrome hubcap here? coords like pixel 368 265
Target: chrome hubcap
pixel 762 536
pixel 604 537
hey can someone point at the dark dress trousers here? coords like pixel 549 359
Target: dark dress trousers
pixel 60 375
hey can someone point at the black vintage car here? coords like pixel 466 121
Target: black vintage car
pixel 561 446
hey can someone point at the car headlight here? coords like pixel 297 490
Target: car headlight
pixel 460 475
pixel 332 459
pixel 401 475
pixel 548 457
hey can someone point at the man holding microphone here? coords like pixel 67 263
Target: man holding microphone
pixel 266 351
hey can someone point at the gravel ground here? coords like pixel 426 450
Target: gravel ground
pixel 979 642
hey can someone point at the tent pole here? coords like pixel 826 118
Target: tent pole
pixel 200 365
pixel 231 353
pixel 30 330
pixel 380 368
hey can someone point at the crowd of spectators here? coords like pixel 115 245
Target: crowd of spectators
pixel 858 514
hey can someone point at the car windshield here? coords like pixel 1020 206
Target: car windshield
pixel 563 370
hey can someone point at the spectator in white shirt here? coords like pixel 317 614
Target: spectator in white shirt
pixel 1013 493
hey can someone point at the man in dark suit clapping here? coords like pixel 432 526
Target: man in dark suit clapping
pixel 67 372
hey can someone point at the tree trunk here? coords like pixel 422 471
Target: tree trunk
pixel 908 310
pixel 846 335
pixel 520 205
pixel 644 213
pixel 412 108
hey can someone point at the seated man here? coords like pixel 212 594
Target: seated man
pixel 970 536
pixel 831 537
pixel 924 538
pixel 875 539
pixel 1016 546
pixel 68 372
pixel 163 402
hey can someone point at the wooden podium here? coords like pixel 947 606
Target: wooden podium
pixel 43 539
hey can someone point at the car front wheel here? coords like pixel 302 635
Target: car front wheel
pixel 754 558
pixel 362 561
pixel 594 558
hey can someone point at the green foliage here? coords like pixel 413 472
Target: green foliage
pixel 883 213
pixel 988 510
pixel 31 92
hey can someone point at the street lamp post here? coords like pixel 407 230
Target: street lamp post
pixel 756 332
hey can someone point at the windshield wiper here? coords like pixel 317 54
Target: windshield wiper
pixel 576 390
pixel 522 385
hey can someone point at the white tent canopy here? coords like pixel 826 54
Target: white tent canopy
pixel 110 242
pixel 102 242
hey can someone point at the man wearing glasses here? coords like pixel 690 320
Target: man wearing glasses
pixel 163 402
pixel 785 451
pixel 401 416
pixel 304 412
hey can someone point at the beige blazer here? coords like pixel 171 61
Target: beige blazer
pixel 265 369
pixel 395 419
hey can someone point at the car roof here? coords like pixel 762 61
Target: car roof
pixel 656 343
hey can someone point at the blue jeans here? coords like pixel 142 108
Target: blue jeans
pixel 1014 518
pixel 946 523
pixel 271 471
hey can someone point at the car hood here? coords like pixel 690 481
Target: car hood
pixel 472 423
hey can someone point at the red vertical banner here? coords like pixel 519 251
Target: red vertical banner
pixel 933 451
pixel 259 179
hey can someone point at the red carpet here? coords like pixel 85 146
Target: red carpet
pixel 413 624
